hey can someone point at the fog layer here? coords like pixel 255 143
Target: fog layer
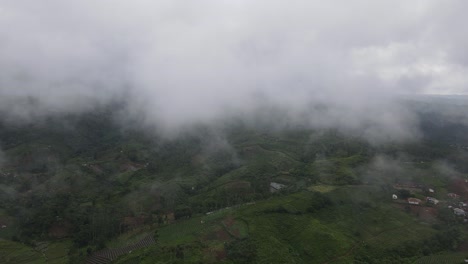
pixel 177 63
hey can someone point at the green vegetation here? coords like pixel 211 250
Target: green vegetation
pixel 446 258
pixel 69 191
pixel 12 252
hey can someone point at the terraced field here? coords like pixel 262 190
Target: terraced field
pixel 107 255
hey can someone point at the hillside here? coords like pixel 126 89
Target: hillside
pixel 233 193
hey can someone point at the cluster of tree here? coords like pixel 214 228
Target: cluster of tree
pixel 85 225
pixel 319 202
pixel 182 212
pixel 241 251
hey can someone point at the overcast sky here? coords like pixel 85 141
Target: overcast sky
pixel 177 62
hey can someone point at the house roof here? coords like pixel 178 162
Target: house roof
pixel 276 185
pixel 414 200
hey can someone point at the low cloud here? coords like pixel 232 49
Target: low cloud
pixel 177 63
pixel 445 169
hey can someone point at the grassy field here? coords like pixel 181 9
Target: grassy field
pixel 290 229
pixel 322 188
pixel 282 237
pixel 323 224
pixel 17 253
pixel 45 252
pixel 57 252
pixel 190 230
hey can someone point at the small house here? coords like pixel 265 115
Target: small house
pixel 432 200
pixel 459 212
pixel 414 201
pixel 274 186
pixel 453 195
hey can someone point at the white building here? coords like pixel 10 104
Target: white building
pixel 274 186
pixel 459 212
pixel 414 201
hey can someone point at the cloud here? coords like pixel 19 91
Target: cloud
pixel 177 63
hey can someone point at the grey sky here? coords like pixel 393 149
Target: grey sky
pixel 178 62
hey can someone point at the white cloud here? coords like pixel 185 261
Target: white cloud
pixel 179 62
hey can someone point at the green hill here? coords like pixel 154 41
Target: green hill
pixel 209 194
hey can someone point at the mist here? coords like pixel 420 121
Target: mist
pixel 175 64
pixel 404 168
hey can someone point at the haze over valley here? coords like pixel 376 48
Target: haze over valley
pixel 233 132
